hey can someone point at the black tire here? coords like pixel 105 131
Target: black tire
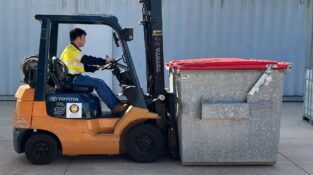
pixel 145 143
pixel 41 149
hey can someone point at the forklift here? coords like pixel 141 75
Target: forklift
pixel 53 116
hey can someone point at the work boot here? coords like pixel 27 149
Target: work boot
pixel 121 108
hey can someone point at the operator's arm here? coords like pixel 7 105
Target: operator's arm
pixel 90 60
pixel 89 68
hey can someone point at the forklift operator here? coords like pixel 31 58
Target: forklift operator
pixel 78 63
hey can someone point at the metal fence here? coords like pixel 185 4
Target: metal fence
pixel 308 96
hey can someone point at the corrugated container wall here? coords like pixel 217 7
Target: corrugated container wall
pixel 265 29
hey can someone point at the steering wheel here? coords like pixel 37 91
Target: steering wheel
pixel 110 65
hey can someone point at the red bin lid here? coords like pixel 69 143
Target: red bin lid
pixel 224 64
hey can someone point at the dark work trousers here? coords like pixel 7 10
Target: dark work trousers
pixel 101 88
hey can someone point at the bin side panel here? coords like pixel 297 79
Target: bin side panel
pixel 218 138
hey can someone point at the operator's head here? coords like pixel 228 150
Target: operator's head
pixel 78 37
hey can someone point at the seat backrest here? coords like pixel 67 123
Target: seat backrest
pixel 58 72
pixel 60 69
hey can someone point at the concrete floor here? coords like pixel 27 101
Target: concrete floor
pixel 295 158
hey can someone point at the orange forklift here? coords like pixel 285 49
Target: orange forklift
pixel 52 116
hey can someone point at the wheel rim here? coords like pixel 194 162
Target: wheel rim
pixel 144 143
pixel 41 150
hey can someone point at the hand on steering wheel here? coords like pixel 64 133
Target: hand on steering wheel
pixel 110 62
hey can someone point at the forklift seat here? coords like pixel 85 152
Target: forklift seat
pixel 63 82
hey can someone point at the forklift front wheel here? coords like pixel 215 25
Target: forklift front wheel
pixel 145 143
pixel 41 149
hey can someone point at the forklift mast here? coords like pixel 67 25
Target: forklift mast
pixel 164 105
pixel 152 23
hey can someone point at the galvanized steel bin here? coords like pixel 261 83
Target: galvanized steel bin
pixel 228 110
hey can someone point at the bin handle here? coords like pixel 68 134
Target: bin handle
pixel 261 81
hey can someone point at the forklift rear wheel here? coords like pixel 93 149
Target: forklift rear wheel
pixel 41 149
pixel 145 143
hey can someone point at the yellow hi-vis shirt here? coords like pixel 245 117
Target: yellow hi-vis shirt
pixel 71 56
